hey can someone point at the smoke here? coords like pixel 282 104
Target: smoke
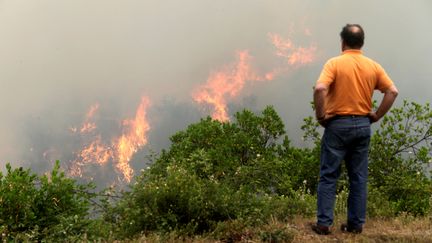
pixel 60 57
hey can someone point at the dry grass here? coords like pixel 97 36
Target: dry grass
pixel 400 229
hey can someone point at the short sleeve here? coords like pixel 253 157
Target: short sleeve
pixel 328 73
pixel 383 80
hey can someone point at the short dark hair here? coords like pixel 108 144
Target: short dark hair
pixel 353 35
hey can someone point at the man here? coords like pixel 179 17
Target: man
pixel 343 103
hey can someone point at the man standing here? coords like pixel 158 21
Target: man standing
pixel 343 103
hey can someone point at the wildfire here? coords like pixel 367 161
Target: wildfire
pixel 293 55
pixel 221 87
pixel 133 139
pixel 227 83
pixel 121 149
pixel 88 125
pixel 96 151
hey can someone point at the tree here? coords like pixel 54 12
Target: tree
pixel 211 173
pixel 400 158
pixel 46 207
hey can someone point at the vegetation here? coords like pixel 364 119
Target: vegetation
pixel 401 158
pixel 228 181
pixel 47 207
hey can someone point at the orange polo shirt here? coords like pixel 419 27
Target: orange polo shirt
pixel 352 78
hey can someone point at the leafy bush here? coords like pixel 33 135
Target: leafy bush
pixel 34 208
pixel 399 161
pixel 17 197
pixel 223 180
pixel 378 204
pixel 400 158
pixel 214 172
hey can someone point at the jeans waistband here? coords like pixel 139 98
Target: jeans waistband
pixel 349 121
pixel 350 116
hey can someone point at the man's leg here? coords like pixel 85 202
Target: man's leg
pixel 357 166
pixel 332 153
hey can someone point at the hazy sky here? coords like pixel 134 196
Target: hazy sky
pixel 58 57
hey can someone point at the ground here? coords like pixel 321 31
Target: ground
pixel 400 229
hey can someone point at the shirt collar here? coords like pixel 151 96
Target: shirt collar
pixel 352 51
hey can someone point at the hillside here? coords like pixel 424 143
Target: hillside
pixel 237 181
pixel 398 229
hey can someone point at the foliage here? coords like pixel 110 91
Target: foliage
pixel 229 180
pixel 17 186
pixel 232 152
pixel 247 171
pixel 400 161
pixel 400 158
pixel 214 172
pixel 303 164
pixel 46 207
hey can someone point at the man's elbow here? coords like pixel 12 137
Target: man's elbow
pixel 393 91
pixel 320 88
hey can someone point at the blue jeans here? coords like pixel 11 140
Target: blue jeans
pixel 345 138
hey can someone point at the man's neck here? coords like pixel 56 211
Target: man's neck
pixel 347 48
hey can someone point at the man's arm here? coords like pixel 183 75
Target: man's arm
pixel 320 92
pixel 389 97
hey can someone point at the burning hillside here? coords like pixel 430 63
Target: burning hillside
pixel 108 152
pixel 227 83
pixel 120 150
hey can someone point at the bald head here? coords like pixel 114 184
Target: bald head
pixel 353 36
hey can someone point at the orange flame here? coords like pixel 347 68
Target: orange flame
pixel 135 137
pixel 226 84
pixel 89 126
pixel 96 151
pixel 121 150
pixel 294 55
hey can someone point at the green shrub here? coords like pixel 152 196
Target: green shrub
pixel 378 204
pixel 47 207
pixel 17 196
pixel 225 180
pixel 399 161
pixel 400 157
pixel 179 201
pixel 185 203
pixel 214 172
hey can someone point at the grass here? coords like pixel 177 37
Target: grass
pixel 404 228
pixel 400 229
